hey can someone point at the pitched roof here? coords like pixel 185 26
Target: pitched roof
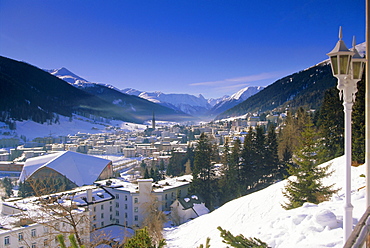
pixel 80 168
pixel 189 201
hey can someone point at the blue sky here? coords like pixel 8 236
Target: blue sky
pixel 178 46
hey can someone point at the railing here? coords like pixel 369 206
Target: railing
pixel 359 237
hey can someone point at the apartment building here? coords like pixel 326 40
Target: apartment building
pixel 109 202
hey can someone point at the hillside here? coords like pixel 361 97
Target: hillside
pixel 29 93
pixel 260 215
pixel 302 89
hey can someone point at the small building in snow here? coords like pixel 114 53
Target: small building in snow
pixel 187 208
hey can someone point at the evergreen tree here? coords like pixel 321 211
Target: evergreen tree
pixel 307 185
pixel 330 123
pixel 240 241
pixel 358 124
pixel 271 158
pixel 8 186
pixel 141 239
pixel 203 172
pixel 229 181
pixel 249 162
pixel 176 166
pixel 146 173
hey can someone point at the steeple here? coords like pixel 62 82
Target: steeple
pixel 153 122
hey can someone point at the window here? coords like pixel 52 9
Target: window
pixel 33 245
pixel 7 240
pixel 33 233
pixel 117 221
pixel 136 200
pixel 46 229
pixel 125 206
pixel 111 217
pixel 20 236
pixel 110 208
pixel 101 207
pixel 102 215
pixel 117 213
pixel 136 209
pixel 136 218
pixel 165 196
pixel 46 242
pixel 125 215
pixel 102 223
pixel 94 217
pixel 125 197
pixel 94 209
pixel 117 204
pixel 94 226
pixel 117 196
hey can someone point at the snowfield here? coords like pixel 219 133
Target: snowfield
pixel 77 124
pixel 260 215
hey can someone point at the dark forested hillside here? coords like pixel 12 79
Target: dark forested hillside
pixel 302 89
pixel 142 108
pixel 29 93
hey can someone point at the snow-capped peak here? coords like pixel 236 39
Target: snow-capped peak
pixel 66 75
pixel 246 92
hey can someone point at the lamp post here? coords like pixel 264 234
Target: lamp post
pixel 347 67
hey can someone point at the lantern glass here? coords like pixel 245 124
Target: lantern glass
pixel 344 64
pixel 334 64
pixel 357 69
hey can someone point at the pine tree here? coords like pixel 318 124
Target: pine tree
pixel 306 186
pixel 248 162
pixel 240 241
pixel 229 184
pixel 271 158
pixel 358 126
pixel 203 172
pixel 330 123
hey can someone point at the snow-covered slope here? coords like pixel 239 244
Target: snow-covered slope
pixel 70 126
pixel 260 215
pixel 235 99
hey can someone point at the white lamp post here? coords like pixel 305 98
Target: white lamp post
pixel 347 67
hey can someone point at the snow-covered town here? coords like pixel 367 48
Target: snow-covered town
pixel 184 124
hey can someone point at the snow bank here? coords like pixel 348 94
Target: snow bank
pixel 260 215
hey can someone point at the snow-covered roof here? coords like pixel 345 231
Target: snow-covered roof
pixel 80 168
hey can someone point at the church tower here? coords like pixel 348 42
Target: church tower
pixel 153 122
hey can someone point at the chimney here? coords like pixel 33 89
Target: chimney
pixel 145 185
pixel 89 195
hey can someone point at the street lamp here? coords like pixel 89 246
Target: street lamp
pixel 347 67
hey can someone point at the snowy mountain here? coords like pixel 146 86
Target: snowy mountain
pixel 66 75
pixel 260 215
pixel 190 104
pixel 235 99
pixel 196 106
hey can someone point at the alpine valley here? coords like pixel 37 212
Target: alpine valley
pixel 42 96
